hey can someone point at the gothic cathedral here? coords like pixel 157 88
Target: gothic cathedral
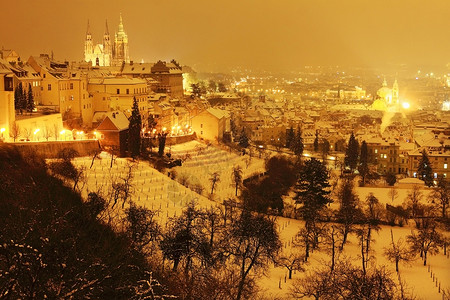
pixel 107 54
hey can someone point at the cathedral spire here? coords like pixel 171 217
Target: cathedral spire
pixel 384 82
pixel 106 28
pixel 120 24
pixel 88 30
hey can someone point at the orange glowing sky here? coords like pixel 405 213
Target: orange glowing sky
pixel 216 34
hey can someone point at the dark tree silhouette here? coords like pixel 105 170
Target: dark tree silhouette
pixel 215 178
pixel 424 170
pixel 312 190
pixel 30 100
pixel 398 252
pixel 316 142
pixel 426 240
pixel 134 131
pixel 441 195
pixel 290 136
pixel 297 143
pixel 237 177
pixel 349 213
pixel 243 139
pixel 351 153
pixel 161 143
pixel 363 167
pixel 253 239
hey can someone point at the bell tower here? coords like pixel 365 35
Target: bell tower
pixel 107 47
pixel 88 45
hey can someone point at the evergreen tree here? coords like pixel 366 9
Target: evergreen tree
pixel 297 143
pixel 424 170
pixel 16 99
pixel 351 154
pixel 312 189
pixel 162 143
pixel 20 100
pixel 290 137
pixel 363 167
pixel 151 122
pixel 325 149
pixel 134 131
pixel 30 99
pixel 243 139
pixel 316 142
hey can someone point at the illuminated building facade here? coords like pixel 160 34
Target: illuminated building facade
pixel 107 53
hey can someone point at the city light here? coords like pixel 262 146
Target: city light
pixel 36 131
pixel 2 130
pixel 406 105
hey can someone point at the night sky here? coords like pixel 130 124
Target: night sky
pixel 217 35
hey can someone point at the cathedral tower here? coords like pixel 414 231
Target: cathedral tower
pixel 120 50
pixel 107 47
pixel 88 44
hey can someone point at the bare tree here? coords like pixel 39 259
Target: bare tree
pixel 398 252
pixel 413 203
pixel 95 154
pixel 122 188
pixel 331 239
pixel 292 262
pixel 253 239
pixel 236 177
pixel 27 133
pixel 47 132
pixel 441 195
pixel 56 131
pixel 426 240
pixel 141 226
pixel 393 193
pixel 215 178
pixel 15 131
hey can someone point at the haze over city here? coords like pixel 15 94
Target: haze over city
pixel 219 35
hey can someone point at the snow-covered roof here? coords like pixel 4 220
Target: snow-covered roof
pixel 218 113
pixel 117 118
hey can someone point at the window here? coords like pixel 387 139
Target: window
pixel 376 150
pixel 128 91
pixel 118 91
pixel 44 75
pixel 49 87
pixel 445 166
pixel 201 132
pixel 71 97
pixel 201 125
pixel 71 86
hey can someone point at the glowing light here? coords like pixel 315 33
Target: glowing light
pixel 164 129
pixel 36 131
pixel 62 132
pixel 406 105
pixel 306 155
pixel 2 130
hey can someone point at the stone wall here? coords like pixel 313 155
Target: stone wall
pixel 51 149
pixel 173 140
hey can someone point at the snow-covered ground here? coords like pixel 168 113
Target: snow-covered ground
pixel 157 191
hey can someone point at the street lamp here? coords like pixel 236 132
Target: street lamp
pixel 35 133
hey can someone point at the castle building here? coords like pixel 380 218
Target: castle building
pixel 107 53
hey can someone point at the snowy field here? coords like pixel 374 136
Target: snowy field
pixel 157 191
